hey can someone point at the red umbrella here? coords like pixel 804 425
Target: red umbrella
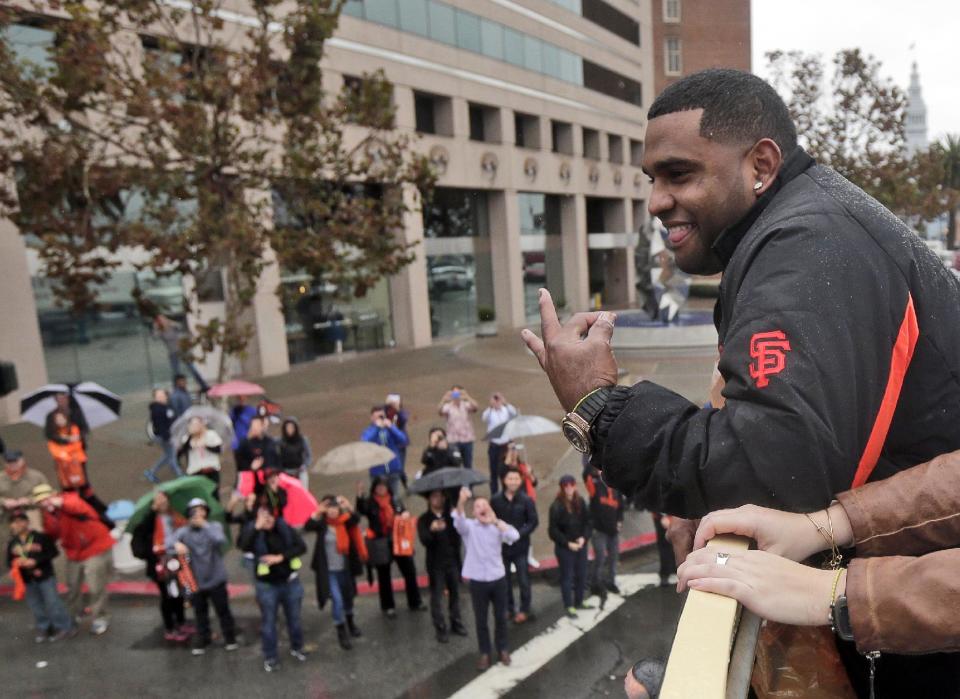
pixel 236 388
pixel 300 502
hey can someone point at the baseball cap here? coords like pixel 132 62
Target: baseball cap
pixel 19 514
pixel 41 492
pixel 568 480
pixel 12 455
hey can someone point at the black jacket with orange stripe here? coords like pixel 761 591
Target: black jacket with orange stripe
pixel 606 503
pixel 840 348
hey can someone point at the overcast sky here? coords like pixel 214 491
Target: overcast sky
pixel 884 28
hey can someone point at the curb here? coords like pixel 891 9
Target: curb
pixel 146 588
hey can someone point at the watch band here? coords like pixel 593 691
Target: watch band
pixel 840 619
pixel 590 406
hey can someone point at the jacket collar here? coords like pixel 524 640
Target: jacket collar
pixel 726 243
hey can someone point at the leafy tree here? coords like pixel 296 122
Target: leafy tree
pixel 164 129
pixel 853 122
pixel 945 169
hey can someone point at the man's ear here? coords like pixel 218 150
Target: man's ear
pixel 765 160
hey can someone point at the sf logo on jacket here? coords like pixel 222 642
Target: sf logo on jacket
pixel 768 351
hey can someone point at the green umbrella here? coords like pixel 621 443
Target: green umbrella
pixel 181 491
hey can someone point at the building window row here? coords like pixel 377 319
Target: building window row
pixel 464 30
pixel 434 115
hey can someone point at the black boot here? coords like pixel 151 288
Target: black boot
pixel 343 637
pixel 352 627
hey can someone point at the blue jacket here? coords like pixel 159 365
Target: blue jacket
pixel 391 438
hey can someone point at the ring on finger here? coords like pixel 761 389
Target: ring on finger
pixel 722 559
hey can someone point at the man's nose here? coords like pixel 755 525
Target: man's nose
pixel 661 200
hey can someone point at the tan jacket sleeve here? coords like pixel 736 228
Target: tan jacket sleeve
pixel 900 604
pixel 911 513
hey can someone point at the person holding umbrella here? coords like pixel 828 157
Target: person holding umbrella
pixel 483 536
pixel 200 451
pixel 338 558
pixel 70 409
pixel 203 542
pixel 152 538
pixel 438 454
pixel 442 542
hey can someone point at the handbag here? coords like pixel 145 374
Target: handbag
pixel 378 551
pixel 404 532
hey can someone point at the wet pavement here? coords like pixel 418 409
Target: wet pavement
pixel 397 658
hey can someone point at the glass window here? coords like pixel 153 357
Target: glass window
pixel 442 23
pixel 674 62
pixel 413 16
pixel 353 8
pixel 542 249
pixel 491 39
pixel 468 31
pixel 571 67
pixel 31 44
pixel 551 60
pixel 513 47
pixel 532 54
pixel 671 10
pixel 383 11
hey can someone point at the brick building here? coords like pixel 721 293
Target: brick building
pixel 690 35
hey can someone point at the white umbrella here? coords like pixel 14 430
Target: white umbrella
pixel 523 426
pixel 353 456
pixel 216 420
pixel 98 405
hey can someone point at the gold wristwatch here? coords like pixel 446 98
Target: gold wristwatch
pixel 577 423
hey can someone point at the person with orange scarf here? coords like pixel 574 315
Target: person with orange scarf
pixel 380 508
pixel 338 558
pixel 152 542
pixel 30 556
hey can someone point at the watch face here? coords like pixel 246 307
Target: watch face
pixel 575 436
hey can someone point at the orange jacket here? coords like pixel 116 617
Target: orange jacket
pixel 78 527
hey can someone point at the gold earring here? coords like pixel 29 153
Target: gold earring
pixel 757 186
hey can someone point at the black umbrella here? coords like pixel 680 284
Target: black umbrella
pixel 98 405
pixel 446 478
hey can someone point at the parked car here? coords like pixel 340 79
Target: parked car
pixel 448 273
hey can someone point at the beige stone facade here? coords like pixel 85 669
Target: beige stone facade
pixel 545 144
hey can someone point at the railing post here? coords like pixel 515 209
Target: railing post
pixel 700 660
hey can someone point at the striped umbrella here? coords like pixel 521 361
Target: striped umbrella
pixel 98 405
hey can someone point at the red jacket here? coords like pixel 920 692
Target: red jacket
pixel 80 531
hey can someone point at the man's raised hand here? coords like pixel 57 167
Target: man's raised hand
pixel 577 356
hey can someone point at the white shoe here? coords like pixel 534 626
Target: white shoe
pixel 531 561
pixel 99 627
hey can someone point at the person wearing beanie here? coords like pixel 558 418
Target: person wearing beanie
pixel 30 557
pixel 201 543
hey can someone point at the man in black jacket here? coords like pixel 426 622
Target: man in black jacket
pixel 258 450
pixel 439 537
pixel 277 550
pixel 839 332
pixel 606 514
pixel 515 507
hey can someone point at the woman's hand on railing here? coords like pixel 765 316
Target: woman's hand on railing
pixel 769 585
pixel 786 534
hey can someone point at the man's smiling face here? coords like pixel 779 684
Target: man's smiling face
pixel 700 186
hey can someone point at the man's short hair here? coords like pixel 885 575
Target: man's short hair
pixel 738 107
pixel 179 376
